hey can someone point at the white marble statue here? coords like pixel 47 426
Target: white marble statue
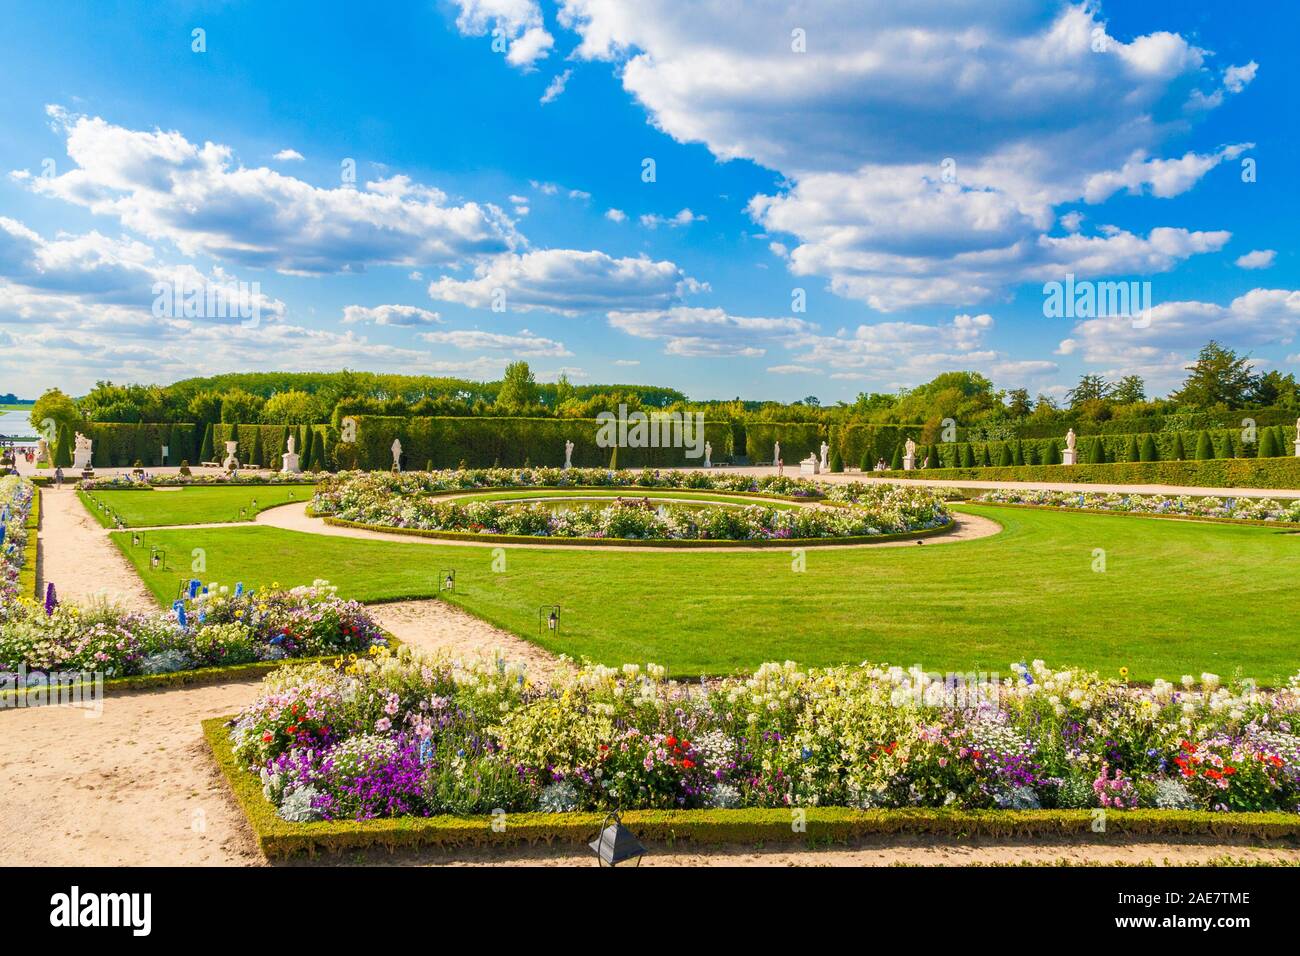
pixel 1297 437
pixel 909 455
pixel 1068 456
pixel 568 455
pixel 810 465
pixel 397 454
pixel 42 450
pixel 825 448
pixel 776 453
pixel 81 452
pixel 232 456
pixel 290 465
pixel 708 454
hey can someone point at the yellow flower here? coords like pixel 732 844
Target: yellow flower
pixel 1123 672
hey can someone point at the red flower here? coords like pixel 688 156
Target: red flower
pixel 267 738
pixel 688 764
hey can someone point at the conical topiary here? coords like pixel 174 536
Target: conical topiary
pixel 837 461
pixel 205 450
pixel 1267 444
pixel 1007 457
pixel 63 447
pixel 257 457
pixel 1204 447
pixel 1148 450
pixel 1180 453
pixel 1227 450
pixel 1131 451
pixel 1053 453
pixel 866 464
pixel 896 462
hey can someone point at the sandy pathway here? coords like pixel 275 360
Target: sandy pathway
pixel 293 517
pixel 78 557
pixel 434 626
pixel 132 786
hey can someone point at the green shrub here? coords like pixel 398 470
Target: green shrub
pixel 1179 453
pixel 1211 473
pixel 1131 452
pixel 897 461
pixel 205 451
pixel 836 462
pixel 1148 450
pixel 1204 447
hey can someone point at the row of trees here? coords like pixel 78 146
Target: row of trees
pixel 1219 381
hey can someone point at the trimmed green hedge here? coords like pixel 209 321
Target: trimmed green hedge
pixel 1102 449
pixel 873 442
pixel 1160 423
pixel 798 441
pixel 1212 473
pixel 121 445
pixel 446 442
pixel 27 583
pixel 280 838
pixel 263 446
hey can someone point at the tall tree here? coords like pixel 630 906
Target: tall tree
pixel 1091 388
pixel 518 387
pixel 1128 390
pixel 1220 377
pixel 1018 404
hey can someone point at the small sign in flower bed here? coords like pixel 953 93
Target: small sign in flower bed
pixel 213 631
pixel 395 736
pixel 413 503
pixel 1252 510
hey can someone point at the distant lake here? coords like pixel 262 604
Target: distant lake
pixel 17 424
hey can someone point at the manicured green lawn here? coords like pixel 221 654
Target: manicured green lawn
pixel 633 494
pixel 1175 598
pixel 143 509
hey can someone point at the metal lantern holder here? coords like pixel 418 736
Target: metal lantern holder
pixel 447 580
pixel 548 619
pixel 158 558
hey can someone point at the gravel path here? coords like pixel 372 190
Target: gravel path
pixel 77 556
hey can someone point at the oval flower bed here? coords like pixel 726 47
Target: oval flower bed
pixel 128 482
pixel 1181 506
pixel 214 629
pixel 404 735
pixel 405 502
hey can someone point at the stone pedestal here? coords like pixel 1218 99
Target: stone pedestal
pixel 1297 447
pixel 81 460
pixel 1067 457
pixel 290 466
pixel 909 462
pixel 809 466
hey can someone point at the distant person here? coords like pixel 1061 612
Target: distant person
pixel 780 466
pixel 926 463
pixel 58 477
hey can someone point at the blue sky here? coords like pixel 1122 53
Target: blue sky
pixel 795 147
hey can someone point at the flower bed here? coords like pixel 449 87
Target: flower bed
pixel 1182 506
pixel 410 502
pixel 148 482
pixel 215 629
pixel 17 499
pixel 406 736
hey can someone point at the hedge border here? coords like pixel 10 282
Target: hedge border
pixel 27 576
pixel 1265 474
pixel 279 838
pixel 1287 528
pixel 488 540
pixel 203 675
